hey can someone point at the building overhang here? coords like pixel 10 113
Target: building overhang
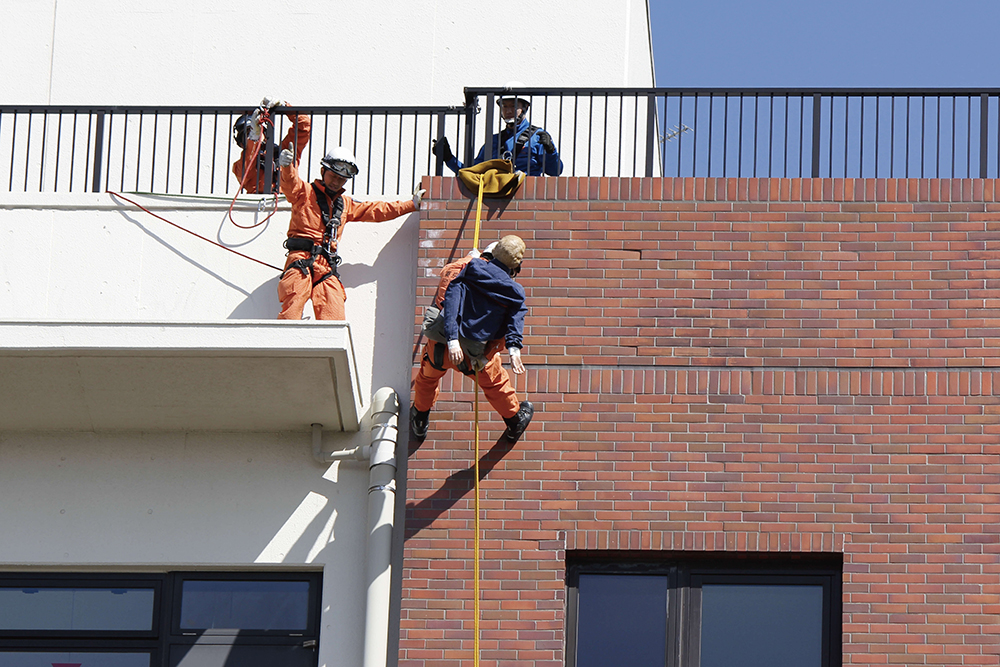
pixel 235 375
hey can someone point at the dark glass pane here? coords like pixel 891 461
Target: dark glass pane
pixel 76 609
pixel 241 656
pixel 74 659
pixel 761 625
pixel 245 605
pixel 622 620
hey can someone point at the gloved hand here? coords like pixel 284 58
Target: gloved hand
pixel 418 195
pixel 515 359
pixel 253 127
pixel 286 157
pixel 271 102
pixel 545 139
pixel 442 149
pixel 455 353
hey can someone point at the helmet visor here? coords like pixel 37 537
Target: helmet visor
pixel 341 168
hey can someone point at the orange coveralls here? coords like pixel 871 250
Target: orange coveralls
pixel 493 378
pixel 297 137
pixel 327 295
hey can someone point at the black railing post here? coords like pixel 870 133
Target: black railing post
pixel 984 131
pixel 471 110
pixel 815 133
pixel 651 136
pixel 98 152
pixel 268 159
pixel 488 153
pixel 438 160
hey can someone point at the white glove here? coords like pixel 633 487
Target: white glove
pixel 253 132
pixel 271 102
pixel 474 253
pixel 515 359
pixel 418 195
pixel 455 352
pixel 286 157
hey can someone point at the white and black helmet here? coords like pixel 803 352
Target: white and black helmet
pixel 514 85
pixel 341 162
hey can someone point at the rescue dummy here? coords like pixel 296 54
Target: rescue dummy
pixel 320 210
pixel 483 311
pixel 247 133
pixel 529 147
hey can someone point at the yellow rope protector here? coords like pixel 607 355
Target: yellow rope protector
pixel 479 217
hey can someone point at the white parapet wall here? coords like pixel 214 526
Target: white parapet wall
pixel 121 497
pixel 327 52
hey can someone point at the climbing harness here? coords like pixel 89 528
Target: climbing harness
pixel 160 217
pixel 519 143
pixel 331 223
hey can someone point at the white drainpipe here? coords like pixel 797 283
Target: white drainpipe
pixel 381 457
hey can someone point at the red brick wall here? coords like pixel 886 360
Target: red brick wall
pixel 738 365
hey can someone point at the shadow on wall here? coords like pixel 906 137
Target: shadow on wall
pixel 387 315
pixel 457 485
pixel 261 304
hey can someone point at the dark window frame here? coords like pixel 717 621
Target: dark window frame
pixel 687 571
pixel 165 631
pixel 312 619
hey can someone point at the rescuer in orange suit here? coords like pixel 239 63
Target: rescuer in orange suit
pixel 247 132
pixel 492 305
pixel 319 212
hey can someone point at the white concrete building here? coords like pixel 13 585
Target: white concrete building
pixel 160 497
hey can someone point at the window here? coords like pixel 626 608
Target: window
pixel 192 619
pixel 704 611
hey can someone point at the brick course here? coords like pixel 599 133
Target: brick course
pixel 745 365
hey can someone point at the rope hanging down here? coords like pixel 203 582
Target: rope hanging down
pixel 475 545
pixel 160 217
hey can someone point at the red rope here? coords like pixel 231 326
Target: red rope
pixel 265 119
pixel 159 217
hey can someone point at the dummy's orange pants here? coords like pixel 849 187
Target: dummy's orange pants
pixel 493 379
pixel 294 289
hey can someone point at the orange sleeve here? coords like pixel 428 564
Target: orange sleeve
pixel 239 165
pixel 376 211
pixel 298 134
pixel 292 185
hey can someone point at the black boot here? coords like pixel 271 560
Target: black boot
pixel 519 422
pixel 418 423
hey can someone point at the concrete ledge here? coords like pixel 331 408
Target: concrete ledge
pixel 244 375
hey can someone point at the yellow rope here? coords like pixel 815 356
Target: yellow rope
pixel 475 642
pixel 479 216
pixel 475 541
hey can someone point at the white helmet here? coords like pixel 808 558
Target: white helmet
pixel 514 85
pixel 341 162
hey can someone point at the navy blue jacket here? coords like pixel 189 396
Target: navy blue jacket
pixel 532 160
pixel 484 303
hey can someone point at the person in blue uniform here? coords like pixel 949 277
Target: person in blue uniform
pixel 529 147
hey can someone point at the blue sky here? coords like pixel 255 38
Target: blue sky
pixel 826 43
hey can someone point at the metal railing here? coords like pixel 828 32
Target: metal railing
pixel 858 133
pixel 190 150
pixel 939 133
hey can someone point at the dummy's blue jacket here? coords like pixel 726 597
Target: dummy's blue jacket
pixel 532 160
pixel 484 303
